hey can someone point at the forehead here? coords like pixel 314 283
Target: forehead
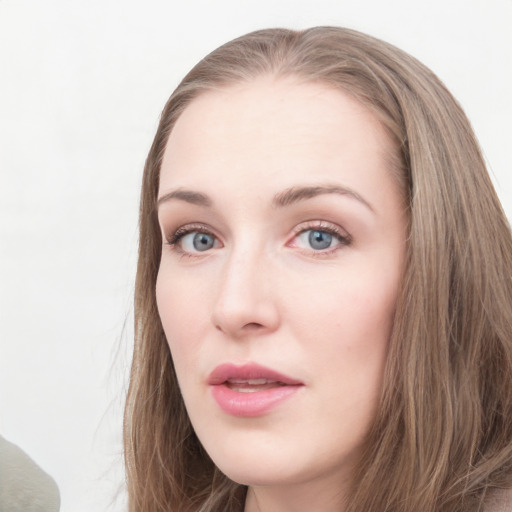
pixel 276 129
pixel 280 106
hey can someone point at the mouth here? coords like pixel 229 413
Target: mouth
pixel 250 390
pixel 251 385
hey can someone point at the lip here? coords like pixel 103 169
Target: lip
pixel 227 380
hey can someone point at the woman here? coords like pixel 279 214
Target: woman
pixel 332 322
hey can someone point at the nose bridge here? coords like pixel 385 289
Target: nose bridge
pixel 246 299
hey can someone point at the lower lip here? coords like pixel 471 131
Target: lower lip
pixel 252 404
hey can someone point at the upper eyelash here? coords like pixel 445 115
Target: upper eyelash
pixel 343 236
pixel 185 230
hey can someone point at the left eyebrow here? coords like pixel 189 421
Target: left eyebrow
pixel 295 194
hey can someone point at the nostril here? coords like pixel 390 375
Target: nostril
pixel 252 326
pixel 239 320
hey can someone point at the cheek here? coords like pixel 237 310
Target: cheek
pixel 179 306
pixel 346 333
pixel 351 304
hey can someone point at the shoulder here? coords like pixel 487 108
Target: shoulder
pixel 499 500
pixel 23 484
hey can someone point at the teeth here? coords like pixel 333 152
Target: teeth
pixel 252 385
pixel 251 382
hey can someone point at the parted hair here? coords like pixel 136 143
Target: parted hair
pixel 442 435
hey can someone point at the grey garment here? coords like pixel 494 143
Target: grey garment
pixel 24 486
pixel 499 500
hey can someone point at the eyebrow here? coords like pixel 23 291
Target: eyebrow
pixel 189 196
pixel 295 194
pixel 282 199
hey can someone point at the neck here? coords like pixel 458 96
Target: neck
pixel 318 496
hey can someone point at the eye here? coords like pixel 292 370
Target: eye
pixel 197 241
pixel 193 240
pixel 320 238
pixel 317 239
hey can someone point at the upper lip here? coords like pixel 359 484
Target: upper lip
pixel 249 371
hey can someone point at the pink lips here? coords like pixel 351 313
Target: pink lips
pixel 250 390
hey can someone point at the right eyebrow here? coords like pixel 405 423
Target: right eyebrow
pixel 188 196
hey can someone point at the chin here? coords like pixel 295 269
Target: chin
pixel 255 468
pixel 259 474
pixel 268 467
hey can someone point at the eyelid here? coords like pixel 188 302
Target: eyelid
pixel 341 234
pixel 343 237
pixel 174 237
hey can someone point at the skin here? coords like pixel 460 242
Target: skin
pixel 262 293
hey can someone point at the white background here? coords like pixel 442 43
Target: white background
pixel 82 83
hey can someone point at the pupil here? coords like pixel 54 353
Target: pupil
pixel 320 239
pixel 203 242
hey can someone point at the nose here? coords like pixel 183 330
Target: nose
pixel 246 303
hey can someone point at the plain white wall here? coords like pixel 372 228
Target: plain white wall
pixel 82 83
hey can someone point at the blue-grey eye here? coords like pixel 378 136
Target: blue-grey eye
pixel 319 240
pixel 203 241
pixel 197 241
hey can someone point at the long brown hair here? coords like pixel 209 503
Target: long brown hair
pixel 443 432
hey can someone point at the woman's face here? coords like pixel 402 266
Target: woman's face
pixel 283 247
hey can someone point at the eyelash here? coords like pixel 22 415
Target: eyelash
pixel 342 236
pixel 173 240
